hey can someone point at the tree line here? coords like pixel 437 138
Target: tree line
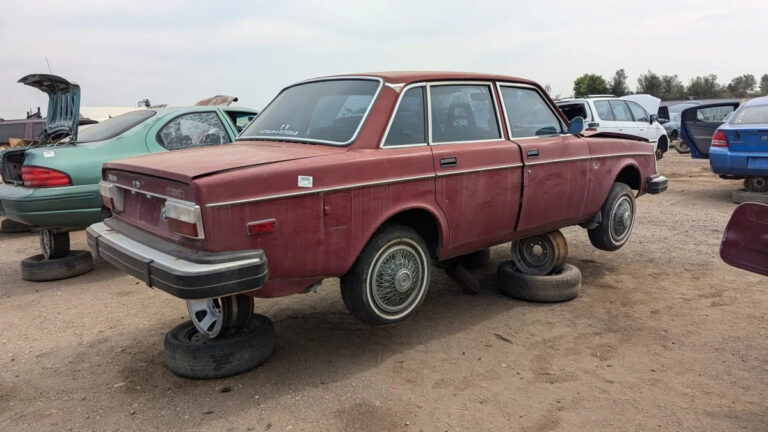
pixel 669 87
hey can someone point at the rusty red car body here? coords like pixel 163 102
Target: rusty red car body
pixel 323 203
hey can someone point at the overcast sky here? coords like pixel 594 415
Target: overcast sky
pixel 177 53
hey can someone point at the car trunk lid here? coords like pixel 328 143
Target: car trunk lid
pixel 747 139
pixel 186 165
pixel 63 113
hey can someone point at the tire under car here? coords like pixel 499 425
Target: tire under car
pixel 39 269
pixel 561 285
pixel 190 354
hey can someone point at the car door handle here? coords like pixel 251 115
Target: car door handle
pixel 448 162
pixel 533 153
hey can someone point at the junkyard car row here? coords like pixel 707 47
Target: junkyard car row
pixel 370 178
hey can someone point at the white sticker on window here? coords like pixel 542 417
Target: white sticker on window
pixel 48 153
pixel 305 181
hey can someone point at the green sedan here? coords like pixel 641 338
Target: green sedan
pixel 55 186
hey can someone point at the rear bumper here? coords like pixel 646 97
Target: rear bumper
pixel 181 272
pixel 59 207
pixel 725 161
pixel 656 184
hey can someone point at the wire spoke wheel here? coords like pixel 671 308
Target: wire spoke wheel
pixel 621 219
pixel 398 277
pixel 541 254
pixel 214 317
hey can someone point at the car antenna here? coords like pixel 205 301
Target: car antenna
pixel 49 65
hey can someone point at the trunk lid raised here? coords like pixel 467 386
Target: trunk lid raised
pixel 63 114
pixel 186 165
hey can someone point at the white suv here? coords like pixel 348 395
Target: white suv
pixel 624 115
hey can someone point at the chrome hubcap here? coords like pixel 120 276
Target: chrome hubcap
pixel 207 316
pixel 397 278
pixel 621 221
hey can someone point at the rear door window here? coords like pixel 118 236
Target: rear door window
pixel 197 129
pixel 463 113
pixel 603 110
pixel 638 112
pixel 620 111
pixel 528 115
pixel 408 124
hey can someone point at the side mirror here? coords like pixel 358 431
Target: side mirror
pixel 576 126
pixel 654 118
pixel 745 240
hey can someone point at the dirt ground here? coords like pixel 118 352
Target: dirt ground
pixel 664 336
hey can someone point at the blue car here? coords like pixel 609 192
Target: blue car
pixel 734 138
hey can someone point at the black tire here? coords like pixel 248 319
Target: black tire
pixel 756 184
pixel 682 148
pixel 368 302
pixel 54 244
pixel 476 259
pixel 11 226
pixel 38 269
pixel 557 287
pixel 662 147
pixel 602 236
pixel 673 135
pixel 190 354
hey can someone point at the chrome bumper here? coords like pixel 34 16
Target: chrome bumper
pixel 181 272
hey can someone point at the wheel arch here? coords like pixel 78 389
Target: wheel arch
pixel 630 175
pixel 431 227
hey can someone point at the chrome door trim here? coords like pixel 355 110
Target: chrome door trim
pixel 392 117
pixel 553 109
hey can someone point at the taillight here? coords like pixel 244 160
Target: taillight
pixel 719 139
pixel 184 218
pixel 34 176
pixel 261 227
pixel 111 196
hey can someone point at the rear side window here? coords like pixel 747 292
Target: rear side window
pixel 408 122
pixel 751 115
pixel 15 130
pixel 528 114
pixel 113 127
pixel 463 113
pixel 240 119
pixel 620 111
pixel 603 110
pixel 638 112
pixel 574 110
pixel 198 129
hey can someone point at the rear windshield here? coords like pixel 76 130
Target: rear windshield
pixel 113 127
pixel 751 115
pixel 329 112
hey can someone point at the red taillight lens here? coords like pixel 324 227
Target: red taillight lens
pixel 43 177
pixel 188 229
pixel 719 139
pixel 184 218
pixel 262 227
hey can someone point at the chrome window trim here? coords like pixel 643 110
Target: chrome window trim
pixel 492 92
pixel 402 92
pixel 321 190
pixel 313 141
pixel 553 109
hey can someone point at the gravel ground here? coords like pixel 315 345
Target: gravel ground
pixel 663 337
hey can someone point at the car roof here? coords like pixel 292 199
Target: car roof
pixel 763 100
pixel 169 110
pixel 407 77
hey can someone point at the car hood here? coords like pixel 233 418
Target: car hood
pixel 63 114
pixel 186 165
pixel 648 102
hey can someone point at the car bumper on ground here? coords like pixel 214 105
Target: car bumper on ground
pixel 727 162
pixel 656 184
pixel 61 207
pixel 184 273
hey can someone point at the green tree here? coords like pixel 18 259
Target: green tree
pixel 589 84
pixel 651 84
pixel 618 84
pixel 742 85
pixel 764 85
pixel 704 87
pixel 672 88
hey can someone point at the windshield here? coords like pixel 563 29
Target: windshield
pixel 113 127
pixel 751 115
pixel 330 112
